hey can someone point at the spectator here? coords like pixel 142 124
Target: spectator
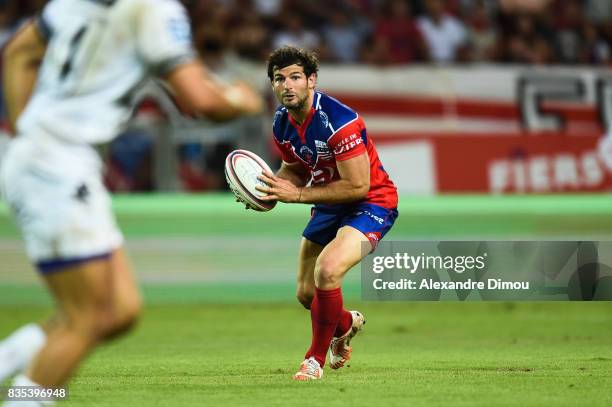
pixel 482 35
pixel 268 8
pixel 594 50
pixel 445 35
pixel 250 39
pixel 527 44
pixel 343 37
pixel 295 34
pixel 396 38
pixel 606 33
pixel 568 25
pixel 599 11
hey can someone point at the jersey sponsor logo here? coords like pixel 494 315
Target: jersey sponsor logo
pixel 323 150
pixel 324 118
pixel 307 154
pixel 348 143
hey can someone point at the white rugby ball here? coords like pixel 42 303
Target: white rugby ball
pixel 242 168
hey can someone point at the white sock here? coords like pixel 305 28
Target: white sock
pixel 18 350
pixel 24 381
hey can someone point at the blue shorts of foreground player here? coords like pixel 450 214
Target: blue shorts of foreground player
pixel 373 221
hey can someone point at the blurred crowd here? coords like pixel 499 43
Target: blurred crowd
pixel 387 32
pixel 236 36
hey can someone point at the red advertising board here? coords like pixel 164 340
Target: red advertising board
pixel 523 163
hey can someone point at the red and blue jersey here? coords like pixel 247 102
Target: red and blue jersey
pixel 332 132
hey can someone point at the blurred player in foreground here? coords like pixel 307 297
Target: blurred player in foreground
pixel 69 77
pixel 328 161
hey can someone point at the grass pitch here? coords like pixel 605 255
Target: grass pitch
pixel 221 326
pixel 411 354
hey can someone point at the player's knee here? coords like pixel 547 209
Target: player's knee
pixel 328 271
pixel 91 322
pixel 101 323
pixel 125 317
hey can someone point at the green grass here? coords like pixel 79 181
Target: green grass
pixel 207 341
pixel 182 293
pixel 420 217
pixel 412 354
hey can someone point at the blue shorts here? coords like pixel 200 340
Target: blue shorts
pixel 372 220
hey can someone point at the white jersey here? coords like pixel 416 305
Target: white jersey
pixel 99 53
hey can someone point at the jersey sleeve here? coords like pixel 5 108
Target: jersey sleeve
pixel 164 36
pixel 347 142
pixel 286 151
pixel 47 20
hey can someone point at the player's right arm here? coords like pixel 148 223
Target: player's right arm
pixel 295 173
pixel 21 59
pixel 198 94
pixel 165 44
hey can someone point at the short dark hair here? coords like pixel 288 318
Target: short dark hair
pixel 288 55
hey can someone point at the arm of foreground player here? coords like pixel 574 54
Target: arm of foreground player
pixel 198 94
pixel 353 185
pixel 21 58
pixel 293 172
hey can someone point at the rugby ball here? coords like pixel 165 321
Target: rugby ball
pixel 242 168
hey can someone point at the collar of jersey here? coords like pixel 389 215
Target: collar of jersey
pixel 301 128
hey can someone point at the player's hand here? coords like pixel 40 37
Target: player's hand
pixel 278 189
pixel 245 98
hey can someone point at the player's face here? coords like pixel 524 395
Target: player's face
pixel 291 86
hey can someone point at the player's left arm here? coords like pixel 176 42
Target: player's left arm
pixel 353 185
pixel 21 59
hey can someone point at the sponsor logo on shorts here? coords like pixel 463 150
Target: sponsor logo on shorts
pixel 373 236
pixel 371 215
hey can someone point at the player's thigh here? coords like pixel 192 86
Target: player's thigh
pixel 342 253
pixel 98 296
pixel 84 294
pixel 309 252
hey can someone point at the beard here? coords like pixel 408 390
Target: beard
pixel 295 104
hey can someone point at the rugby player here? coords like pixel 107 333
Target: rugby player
pixel 69 78
pixel 328 160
